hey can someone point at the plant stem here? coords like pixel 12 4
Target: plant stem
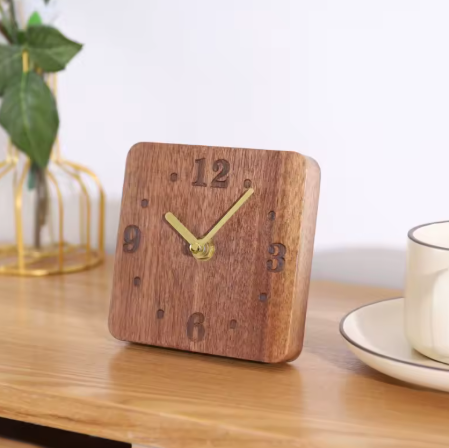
pixel 40 211
pixel 12 10
pixel 14 26
pixel 3 29
pixel 5 33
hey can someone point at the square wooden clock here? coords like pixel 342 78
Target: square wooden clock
pixel 214 250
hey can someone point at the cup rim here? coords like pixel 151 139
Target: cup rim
pixel 413 238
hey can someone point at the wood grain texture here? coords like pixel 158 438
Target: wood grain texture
pixel 266 248
pixel 60 367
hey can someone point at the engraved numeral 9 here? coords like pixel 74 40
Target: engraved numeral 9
pixel 131 237
pixel 277 251
pixel 195 327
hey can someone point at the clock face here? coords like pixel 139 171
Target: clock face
pixel 214 249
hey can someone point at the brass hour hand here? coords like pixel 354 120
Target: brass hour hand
pixel 182 230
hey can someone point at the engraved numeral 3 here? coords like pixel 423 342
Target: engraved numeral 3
pixel 131 237
pixel 195 327
pixel 277 251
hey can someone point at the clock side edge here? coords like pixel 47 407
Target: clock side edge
pixel 304 261
pixel 115 319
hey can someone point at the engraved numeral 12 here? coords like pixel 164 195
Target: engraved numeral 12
pixel 221 180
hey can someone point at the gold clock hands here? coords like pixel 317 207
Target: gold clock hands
pixel 204 249
pixel 226 217
pixel 182 230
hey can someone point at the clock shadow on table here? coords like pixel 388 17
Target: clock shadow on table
pixel 221 380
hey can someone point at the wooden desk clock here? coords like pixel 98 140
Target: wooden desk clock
pixel 214 250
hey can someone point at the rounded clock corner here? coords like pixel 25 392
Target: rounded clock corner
pixel 314 166
pixel 135 148
pixel 113 331
pixel 293 355
pixel 310 163
pixel 288 356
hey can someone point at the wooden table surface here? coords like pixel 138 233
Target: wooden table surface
pixel 59 367
pixel 7 443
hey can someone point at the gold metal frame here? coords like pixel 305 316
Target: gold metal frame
pixel 59 256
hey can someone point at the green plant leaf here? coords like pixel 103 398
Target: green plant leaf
pixel 50 49
pixel 30 116
pixel 21 37
pixel 10 65
pixel 35 19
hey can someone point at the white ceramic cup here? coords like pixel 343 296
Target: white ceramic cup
pixel 427 290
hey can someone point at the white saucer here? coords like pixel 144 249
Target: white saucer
pixel 375 334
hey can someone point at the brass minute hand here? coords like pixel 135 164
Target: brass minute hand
pixel 182 230
pixel 226 217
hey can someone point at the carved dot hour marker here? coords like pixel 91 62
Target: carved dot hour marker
pixel 247 183
pixel 174 177
pixel 160 314
pixel 144 203
pixel 233 324
pixel 136 281
pixel 263 297
pixel 272 216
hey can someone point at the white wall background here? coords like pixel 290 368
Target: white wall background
pixel 361 86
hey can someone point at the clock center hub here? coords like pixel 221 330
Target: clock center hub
pixel 203 252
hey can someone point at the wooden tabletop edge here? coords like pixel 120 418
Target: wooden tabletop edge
pixel 50 417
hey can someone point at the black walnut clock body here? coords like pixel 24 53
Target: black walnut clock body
pixel 242 290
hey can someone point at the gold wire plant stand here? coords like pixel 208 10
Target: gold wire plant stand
pixel 69 187
pixel 74 196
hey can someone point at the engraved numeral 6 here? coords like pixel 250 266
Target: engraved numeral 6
pixel 195 327
pixel 278 251
pixel 131 237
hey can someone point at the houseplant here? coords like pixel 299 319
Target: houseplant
pixel 31 53
pixel 28 112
